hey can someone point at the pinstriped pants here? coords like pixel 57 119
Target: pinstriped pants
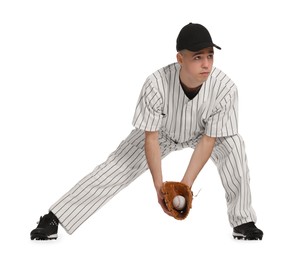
pixel 128 162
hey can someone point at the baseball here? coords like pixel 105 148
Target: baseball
pixel 179 202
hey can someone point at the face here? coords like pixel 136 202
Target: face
pixel 195 66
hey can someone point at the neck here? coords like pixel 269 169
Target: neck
pixel 190 90
pixel 189 83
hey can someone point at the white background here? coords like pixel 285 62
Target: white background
pixel 70 76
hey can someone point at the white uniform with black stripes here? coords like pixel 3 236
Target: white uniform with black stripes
pixel 164 107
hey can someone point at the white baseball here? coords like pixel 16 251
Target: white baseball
pixel 179 202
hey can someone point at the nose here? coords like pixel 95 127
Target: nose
pixel 205 63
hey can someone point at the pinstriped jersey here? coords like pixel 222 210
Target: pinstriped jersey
pixel 163 105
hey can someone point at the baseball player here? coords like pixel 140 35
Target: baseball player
pixel 187 104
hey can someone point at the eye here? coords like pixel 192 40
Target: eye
pixel 197 57
pixel 210 56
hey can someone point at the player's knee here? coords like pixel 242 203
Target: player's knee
pixel 236 142
pixel 227 145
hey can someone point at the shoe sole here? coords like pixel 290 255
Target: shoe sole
pixel 240 236
pixel 43 237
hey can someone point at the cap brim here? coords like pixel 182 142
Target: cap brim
pixel 214 45
pixel 202 46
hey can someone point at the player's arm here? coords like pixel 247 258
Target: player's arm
pixel 153 156
pixel 199 158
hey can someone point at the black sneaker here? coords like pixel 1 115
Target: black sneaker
pixel 247 231
pixel 47 228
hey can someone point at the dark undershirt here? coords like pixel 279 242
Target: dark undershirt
pixel 190 92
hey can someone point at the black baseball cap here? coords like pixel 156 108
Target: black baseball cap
pixel 194 37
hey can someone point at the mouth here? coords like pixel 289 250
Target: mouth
pixel 206 73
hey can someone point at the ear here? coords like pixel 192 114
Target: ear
pixel 179 58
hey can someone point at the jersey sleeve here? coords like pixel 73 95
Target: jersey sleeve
pixel 148 113
pixel 224 118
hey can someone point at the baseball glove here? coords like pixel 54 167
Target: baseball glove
pixel 170 190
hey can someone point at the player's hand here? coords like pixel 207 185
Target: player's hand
pixel 162 202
